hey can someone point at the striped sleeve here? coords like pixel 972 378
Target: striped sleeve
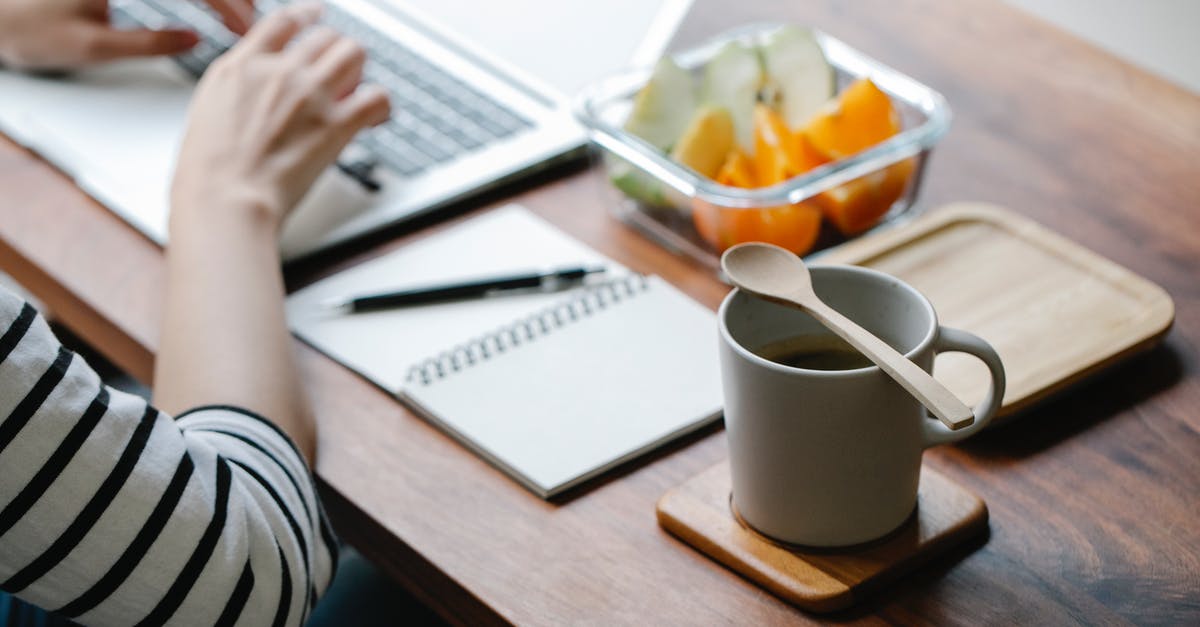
pixel 113 513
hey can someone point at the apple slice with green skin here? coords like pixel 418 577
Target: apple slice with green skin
pixel 707 141
pixel 662 108
pixel 732 79
pixel 636 184
pixel 798 78
pixel 661 111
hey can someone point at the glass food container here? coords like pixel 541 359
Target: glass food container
pixel 890 172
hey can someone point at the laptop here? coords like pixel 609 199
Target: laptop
pixel 481 94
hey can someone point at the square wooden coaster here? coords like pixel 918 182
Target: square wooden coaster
pixel 699 512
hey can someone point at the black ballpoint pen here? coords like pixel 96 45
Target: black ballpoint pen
pixel 467 289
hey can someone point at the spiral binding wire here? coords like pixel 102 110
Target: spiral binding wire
pixel 544 322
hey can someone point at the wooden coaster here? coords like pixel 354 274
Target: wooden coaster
pixel 699 512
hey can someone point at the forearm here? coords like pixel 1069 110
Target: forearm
pixel 267 118
pixel 224 338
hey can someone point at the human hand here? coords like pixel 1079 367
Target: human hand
pixel 266 121
pixel 64 34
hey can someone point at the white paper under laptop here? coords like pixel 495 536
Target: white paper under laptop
pixel 552 388
pixel 116 129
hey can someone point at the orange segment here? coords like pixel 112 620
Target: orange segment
pixel 851 207
pixel 805 156
pixel 779 153
pixel 737 171
pixel 794 227
pixel 771 143
pixel 895 183
pixel 856 206
pixel 861 117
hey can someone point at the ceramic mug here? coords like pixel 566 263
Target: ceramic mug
pixel 827 458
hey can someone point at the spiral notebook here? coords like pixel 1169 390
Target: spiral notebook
pixel 552 388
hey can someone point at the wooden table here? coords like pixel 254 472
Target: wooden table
pixel 1094 496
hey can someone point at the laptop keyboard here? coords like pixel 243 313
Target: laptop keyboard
pixel 436 118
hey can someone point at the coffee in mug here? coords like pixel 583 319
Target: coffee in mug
pixel 815 352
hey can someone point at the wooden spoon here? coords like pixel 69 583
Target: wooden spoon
pixel 778 275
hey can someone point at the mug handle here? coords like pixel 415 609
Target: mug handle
pixel 955 340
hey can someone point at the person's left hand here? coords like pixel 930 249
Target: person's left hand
pixel 65 34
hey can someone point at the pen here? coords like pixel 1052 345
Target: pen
pixel 467 289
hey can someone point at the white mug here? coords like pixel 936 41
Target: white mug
pixel 827 458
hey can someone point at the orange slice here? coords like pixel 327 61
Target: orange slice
pixel 805 156
pixel 780 154
pixel 772 141
pixel 861 117
pixel 794 227
pixel 737 171
pixel 856 206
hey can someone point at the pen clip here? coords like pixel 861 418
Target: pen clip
pixel 558 279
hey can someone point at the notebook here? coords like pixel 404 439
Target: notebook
pixel 552 388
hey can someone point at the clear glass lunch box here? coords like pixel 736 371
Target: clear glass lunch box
pixel 897 162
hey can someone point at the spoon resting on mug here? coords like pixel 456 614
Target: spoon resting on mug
pixel 778 275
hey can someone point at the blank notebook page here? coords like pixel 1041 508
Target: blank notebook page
pixel 635 366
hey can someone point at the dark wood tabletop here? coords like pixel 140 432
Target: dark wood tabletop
pixel 1094 495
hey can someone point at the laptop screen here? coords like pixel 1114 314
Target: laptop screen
pixel 562 44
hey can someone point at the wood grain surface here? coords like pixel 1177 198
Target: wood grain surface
pixel 1093 495
pixel 700 513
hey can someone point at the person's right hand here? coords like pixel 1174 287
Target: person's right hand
pixel 266 121
pixel 67 34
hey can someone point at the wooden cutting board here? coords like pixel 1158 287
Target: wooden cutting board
pixel 1055 311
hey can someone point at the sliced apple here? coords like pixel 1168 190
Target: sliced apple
pixel 731 80
pixel 707 141
pixel 662 108
pixel 637 184
pixel 798 77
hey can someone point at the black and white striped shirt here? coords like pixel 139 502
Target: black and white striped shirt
pixel 114 513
